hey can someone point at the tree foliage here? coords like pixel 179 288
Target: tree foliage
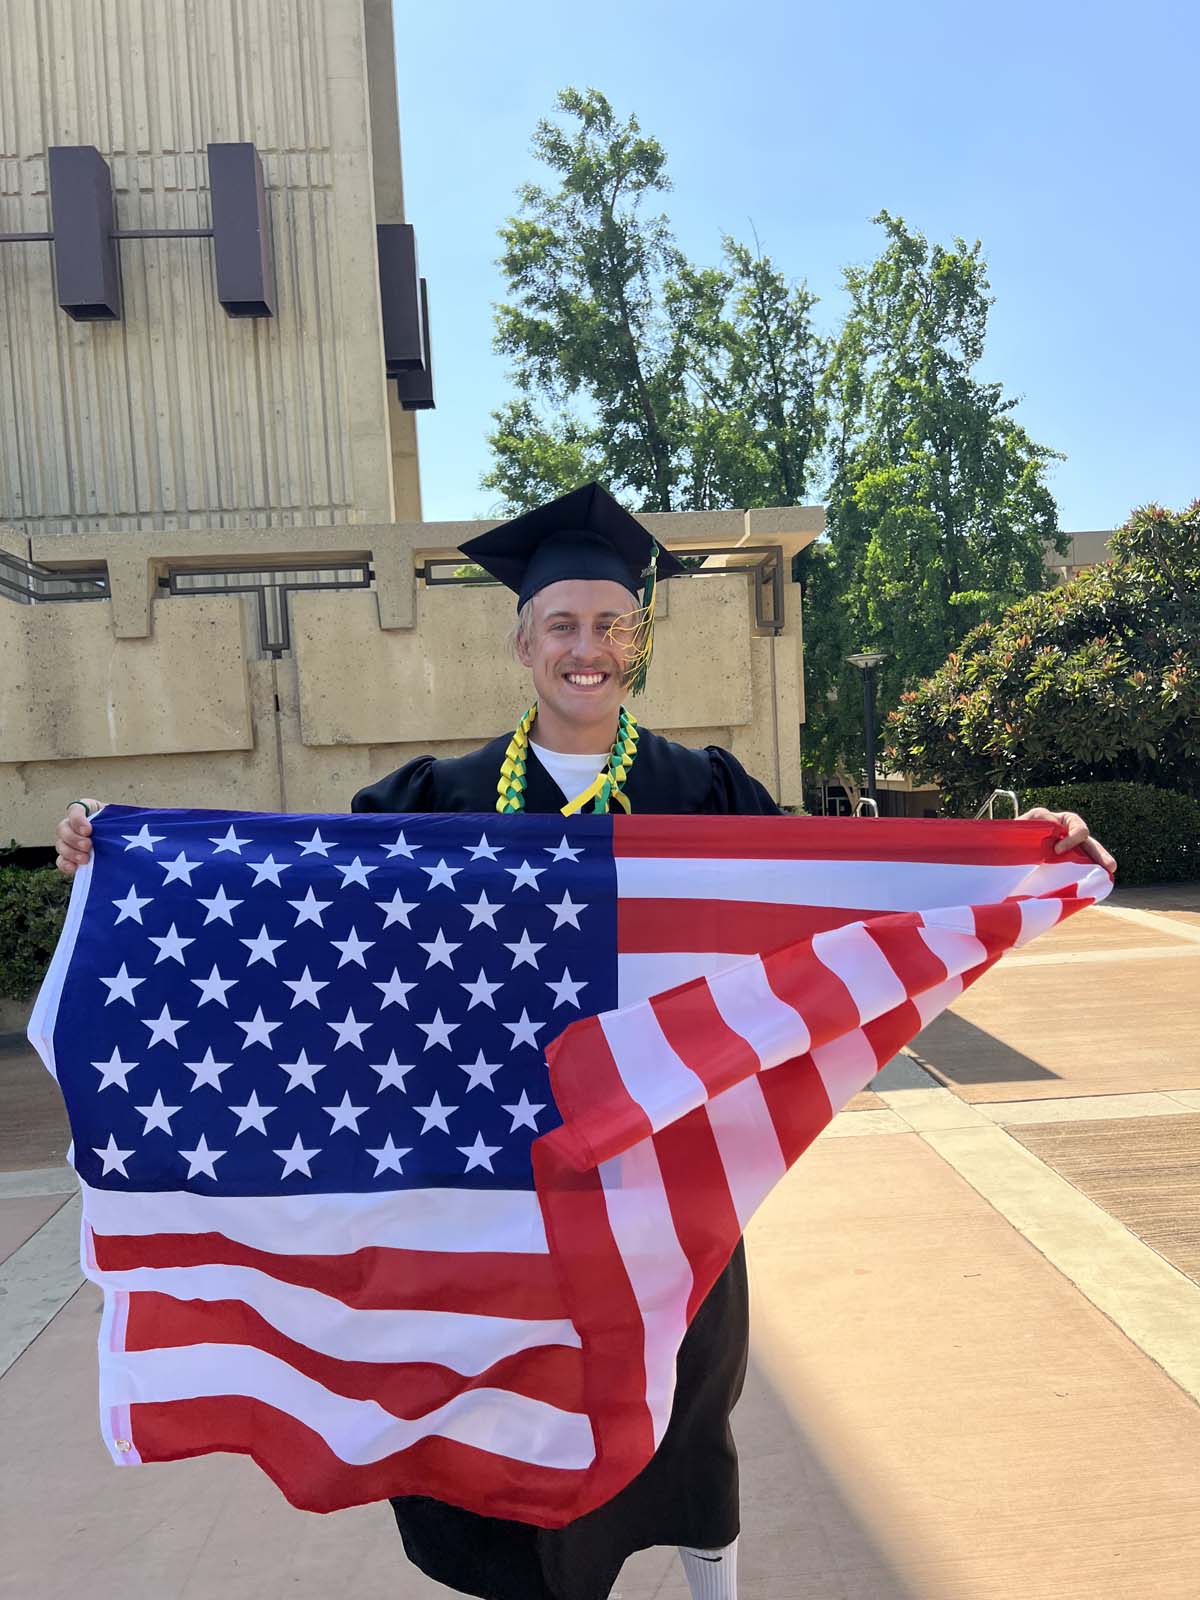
pixel 680 386
pixel 1097 679
pixel 939 514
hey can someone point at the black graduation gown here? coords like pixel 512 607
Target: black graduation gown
pixel 688 1493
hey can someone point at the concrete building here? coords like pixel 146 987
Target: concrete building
pixel 215 584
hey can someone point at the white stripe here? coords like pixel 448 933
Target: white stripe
pixel 853 956
pixel 357 1431
pixel 333 1224
pixel 774 1030
pixel 846 1065
pixel 467 1343
pixel 1036 917
pixel 859 885
pixel 958 952
pixel 658 1268
pixel 932 1002
pixel 748 1146
pixel 653 1074
pixel 640 976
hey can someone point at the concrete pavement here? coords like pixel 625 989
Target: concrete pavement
pixel 976 1355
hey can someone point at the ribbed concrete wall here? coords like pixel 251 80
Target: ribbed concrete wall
pixel 177 416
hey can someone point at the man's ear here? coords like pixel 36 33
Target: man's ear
pixel 524 653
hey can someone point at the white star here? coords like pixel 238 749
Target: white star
pixel 170 946
pixel 143 839
pixel 157 1114
pixel 565 911
pixel 439 951
pixel 525 876
pixel 252 1114
pixel 229 841
pixel 114 1159
pixel 478 1154
pixel 394 991
pixel 114 1070
pixel 310 908
pixel 207 1072
pixel 178 871
pixel 481 991
pixel 121 987
pixel 202 1159
pixel 566 990
pixel 268 871
pixel 441 874
pixel 297 1158
pixel 400 848
pixel 437 1031
pixel 391 1073
pixel 131 906
pixel 344 1115
pixel 349 1031
pixel 262 947
pixel 258 1030
pixel 396 909
pixel 563 851
pixel 355 873
pixel 388 1157
pixel 435 1114
pixel 302 1071
pixel 479 1072
pixel 352 948
pixel 524 1114
pixel 305 989
pixel 163 1028
pixel 483 849
pixel 482 911
pixel 316 846
pixel 525 951
pixel 213 988
pixel 219 907
pixel 524 1031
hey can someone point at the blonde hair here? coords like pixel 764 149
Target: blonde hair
pixel 522 628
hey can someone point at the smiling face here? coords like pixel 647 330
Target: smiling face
pixel 578 669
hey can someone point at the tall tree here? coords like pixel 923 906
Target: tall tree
pixel 939 514
pixel 681 386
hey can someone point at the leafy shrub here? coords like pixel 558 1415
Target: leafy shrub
pixel 1154 833
pixel 32 908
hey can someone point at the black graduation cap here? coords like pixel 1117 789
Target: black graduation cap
pixel 584 534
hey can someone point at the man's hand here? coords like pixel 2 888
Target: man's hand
pixel 1078 833
pixel 73 836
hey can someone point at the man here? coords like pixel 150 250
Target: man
pixel 586 636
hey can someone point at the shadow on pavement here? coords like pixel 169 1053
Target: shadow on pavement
pixel 962 1053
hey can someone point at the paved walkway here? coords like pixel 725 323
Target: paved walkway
pixel 976 1362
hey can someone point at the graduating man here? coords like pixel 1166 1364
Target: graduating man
pixel 585 573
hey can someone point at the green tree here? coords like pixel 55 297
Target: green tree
pixel 1095 680
pixel 939 515
pixel 680 386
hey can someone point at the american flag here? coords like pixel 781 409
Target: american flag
pixel 363 1210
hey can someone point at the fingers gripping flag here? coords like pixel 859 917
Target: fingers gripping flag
pixel 409 1146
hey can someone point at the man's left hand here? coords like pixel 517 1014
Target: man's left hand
pixel 1078 833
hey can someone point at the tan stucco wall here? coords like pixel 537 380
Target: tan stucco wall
pixel 177 416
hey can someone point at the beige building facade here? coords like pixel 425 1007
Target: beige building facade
pixel 215 585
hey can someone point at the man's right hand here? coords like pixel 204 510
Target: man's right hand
pixel 73 836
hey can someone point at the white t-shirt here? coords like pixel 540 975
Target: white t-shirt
pixel 571 773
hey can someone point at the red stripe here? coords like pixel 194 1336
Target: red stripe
pixel 597 1109
pixel 946 840
pixel 313 1478
pixel 373 1279
pixel 702 1039
pixel 909 957
pixel 728 927
pixel 702 1210
pixel 553 1373
pixel 997 926
pixel 803 981
pixel 798 1104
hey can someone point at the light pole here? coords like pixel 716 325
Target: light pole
pixel 866 661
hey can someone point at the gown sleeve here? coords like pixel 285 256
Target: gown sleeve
pixel 734 792
pixel 410 788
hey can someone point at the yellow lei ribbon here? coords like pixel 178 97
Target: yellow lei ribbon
pixel 608 784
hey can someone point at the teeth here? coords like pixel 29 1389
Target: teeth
pixel 585 678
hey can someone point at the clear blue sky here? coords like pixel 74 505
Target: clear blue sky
pixel 1063 135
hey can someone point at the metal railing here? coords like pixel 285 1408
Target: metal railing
pixel 29 584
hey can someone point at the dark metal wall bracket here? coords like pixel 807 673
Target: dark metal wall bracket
pixel 85 236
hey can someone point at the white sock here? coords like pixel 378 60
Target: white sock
pixel 711 1574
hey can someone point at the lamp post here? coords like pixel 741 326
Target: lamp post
pixel 866 661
